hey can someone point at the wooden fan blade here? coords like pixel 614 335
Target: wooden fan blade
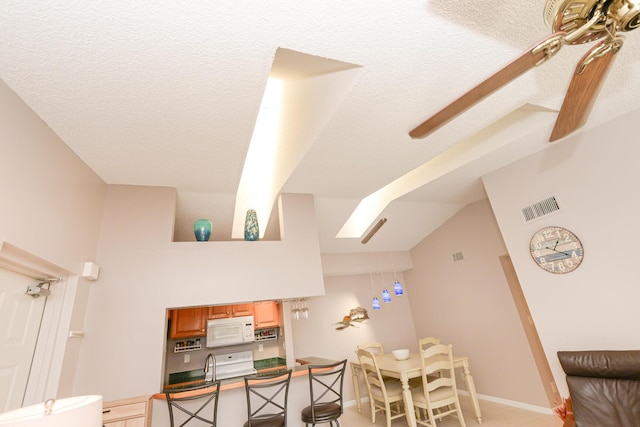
pixel 524 63
pixel 584 88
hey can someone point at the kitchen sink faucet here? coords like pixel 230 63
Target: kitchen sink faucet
pixel 210 368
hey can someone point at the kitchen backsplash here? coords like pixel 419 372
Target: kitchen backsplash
pixel 175 362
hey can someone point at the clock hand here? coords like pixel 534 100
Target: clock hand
pixel 556 245
pixel 561 252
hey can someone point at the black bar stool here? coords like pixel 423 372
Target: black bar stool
pixel 207 411
pixel 325 390
pixel 267 396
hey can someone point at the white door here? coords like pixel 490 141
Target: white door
pixel 20 317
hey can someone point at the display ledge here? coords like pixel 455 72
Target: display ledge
pixel 231 383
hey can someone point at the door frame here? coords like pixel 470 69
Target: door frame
pixel 45 373
pixel 539 356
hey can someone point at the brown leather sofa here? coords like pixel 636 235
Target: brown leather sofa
pixel 604 387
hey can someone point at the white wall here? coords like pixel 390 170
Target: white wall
pixel 51 212
pixel 468 304
pixel 593 176
pixel 143 272
pixel 392 324
pixel 52 202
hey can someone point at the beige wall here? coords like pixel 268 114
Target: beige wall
pixel 52 202
pixel 392 324
pixel 593 176
pixel 468 304
pixel 56 212
pixel 51 213
pixel 143 272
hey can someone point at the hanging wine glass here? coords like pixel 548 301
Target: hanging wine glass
pixel 295 313
pixel 304 313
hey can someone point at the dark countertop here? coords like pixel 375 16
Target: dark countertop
pixel 195 378
pixel 270 363
pixel 313 360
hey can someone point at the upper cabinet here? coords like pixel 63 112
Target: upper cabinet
pixel 219 311
pixel 242 310
pixel 266 314
pixel 188 322
pixel 235 310
pixel 192 322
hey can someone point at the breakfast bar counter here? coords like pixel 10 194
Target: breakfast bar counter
pixel 232 405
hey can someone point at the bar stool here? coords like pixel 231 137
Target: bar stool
pixel 267 396
pixel 208 397
pixel 325 390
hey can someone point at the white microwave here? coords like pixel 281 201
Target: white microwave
pixel 231 331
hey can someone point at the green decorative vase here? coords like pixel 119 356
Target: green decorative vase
pixel 251 229
pixel 202 230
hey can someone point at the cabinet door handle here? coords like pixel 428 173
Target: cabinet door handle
pixel 107 411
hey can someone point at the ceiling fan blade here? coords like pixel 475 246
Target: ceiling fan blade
pixel 584 87
pixel 539 53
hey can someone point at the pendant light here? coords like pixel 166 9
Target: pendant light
pixel 386 296
pixel 375 303
pixel 397 286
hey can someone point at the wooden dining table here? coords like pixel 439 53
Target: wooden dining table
pixel 404 370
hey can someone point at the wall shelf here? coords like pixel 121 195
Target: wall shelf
pixel 266 334
pixel 187 345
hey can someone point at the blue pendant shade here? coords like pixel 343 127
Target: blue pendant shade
pixel 397 288
pixel 376 303
pixel 386 296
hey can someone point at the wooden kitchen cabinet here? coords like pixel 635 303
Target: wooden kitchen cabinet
pixel 188 322
pixel 133 412
pixel 266 314
pixel 219 312
pixel 225 311
pixel 238 310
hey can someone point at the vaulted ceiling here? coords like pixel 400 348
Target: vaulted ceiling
pixel 166 93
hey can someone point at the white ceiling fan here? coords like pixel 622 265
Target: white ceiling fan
pixel 572 22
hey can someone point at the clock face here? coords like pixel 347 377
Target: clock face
pixel 556 250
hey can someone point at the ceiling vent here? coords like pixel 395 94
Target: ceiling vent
pixel 539 209
pixel 458 256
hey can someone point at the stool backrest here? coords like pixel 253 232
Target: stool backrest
pixel 197 403
pixel 267 397
pixel 325 386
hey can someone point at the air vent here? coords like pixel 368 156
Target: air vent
pixel 458 256
pixel 541 208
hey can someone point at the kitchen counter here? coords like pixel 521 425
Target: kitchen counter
pixel 233 400
pixel 187 379
pixel 191 379
pixel 270 364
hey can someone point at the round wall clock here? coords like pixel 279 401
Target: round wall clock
pixel 556 250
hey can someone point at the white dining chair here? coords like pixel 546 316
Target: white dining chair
pixel 372 346
pixel 438 396
pixel 385 395
pixel 424 343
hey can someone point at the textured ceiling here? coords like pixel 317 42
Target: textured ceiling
pixel 166 93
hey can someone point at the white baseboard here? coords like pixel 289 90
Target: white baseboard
pixel 512 403
pixel 501 401
pixel 348 403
